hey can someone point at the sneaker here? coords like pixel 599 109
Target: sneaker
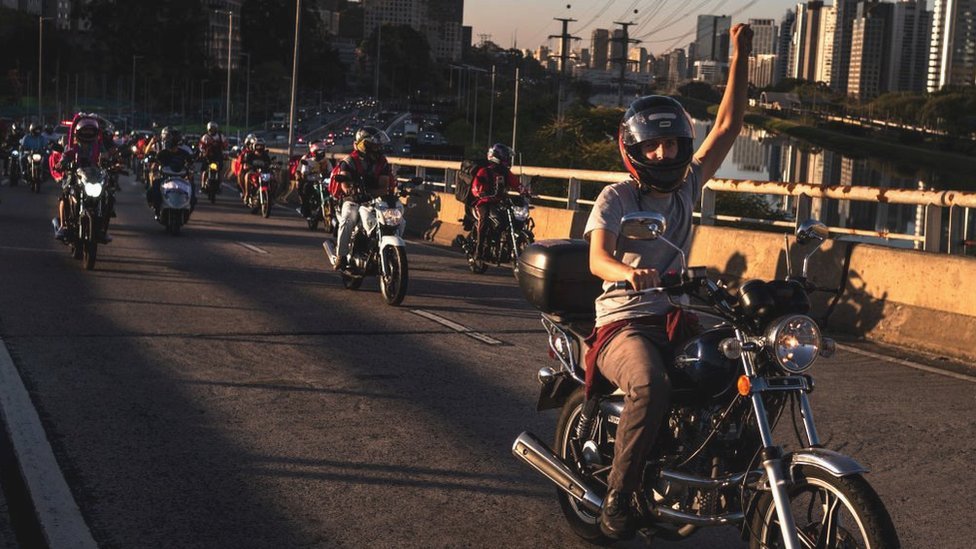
pixel 340 264
pixel 105 239
pixel 618 518
pixel 61 233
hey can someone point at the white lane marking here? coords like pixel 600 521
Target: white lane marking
pixel 16 249
pixel 253 248
pixel 60 519
pixel 459 328
pixel 908 363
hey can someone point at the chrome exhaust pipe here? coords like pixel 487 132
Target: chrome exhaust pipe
pixel 330 251
pixel 531 450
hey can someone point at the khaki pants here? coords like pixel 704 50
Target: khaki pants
pixel 633 362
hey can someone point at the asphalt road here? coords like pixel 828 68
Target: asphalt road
pixel 222 389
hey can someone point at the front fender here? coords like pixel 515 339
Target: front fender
pixel 835 463
pixel 391 240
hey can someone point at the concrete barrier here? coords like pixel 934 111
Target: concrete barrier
pixel 902 297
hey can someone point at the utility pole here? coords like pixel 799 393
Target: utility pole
pixel 491 105
pixel 515 116
pixel 376 82
pixel 230 43
pixel 564 57
pixel 294 78
pixel 623 60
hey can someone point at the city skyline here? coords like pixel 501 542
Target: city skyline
pixel 660 26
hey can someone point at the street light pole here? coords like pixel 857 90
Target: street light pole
pixel 247 92
pixel 40 66
pixel 376 82
pixel 294 78
pixel 515 116
pixel 230 43
pixel 132 109
pixel 491 105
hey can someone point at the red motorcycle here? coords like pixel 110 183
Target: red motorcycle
pixel 262 183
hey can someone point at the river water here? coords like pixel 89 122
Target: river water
pixel 764 156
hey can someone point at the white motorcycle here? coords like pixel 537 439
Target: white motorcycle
pixel 176 203
pixel 377 247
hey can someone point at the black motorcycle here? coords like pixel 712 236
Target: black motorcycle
pixel 210 180
pixel 715 462
pixel 34 168
pixel 509 231
pixel 317 204
pixel 88 213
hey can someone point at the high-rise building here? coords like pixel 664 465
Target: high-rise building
pixel 677 67
pixel 825 57
pixel 599 48
pixel 783 46
pixel 870 40
pixel 952 53
pixel 638 60
pixel 438 20
pixel 761 69
pixel 806 40
pixel 713 37
pixel 763 36
pixel 618 49
pixel 216 35
pixel 911 27
pixel 844 13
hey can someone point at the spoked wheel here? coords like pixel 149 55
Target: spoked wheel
pixel 394 285
pixel 521 243
pixel 830 512
pixel 265 204
pixel 89 250
pixel 584 522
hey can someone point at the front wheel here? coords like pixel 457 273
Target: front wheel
pixel 582 521
pixel 90 250
pixel 394 285
pixel 351 282
pixel 265 204
pixel 829 512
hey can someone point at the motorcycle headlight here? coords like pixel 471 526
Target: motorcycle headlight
pixel 135 149
pixel 94 190
pixel 213 165
pixel 176 199
pixel 266 177
pixel 36 157
pixel 14 153
pixel 795 342
pixel 391 216
pixel 520 213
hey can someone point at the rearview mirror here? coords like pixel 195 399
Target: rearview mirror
pixel 643 225
pixel 811 229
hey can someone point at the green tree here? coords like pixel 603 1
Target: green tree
pixel 406 66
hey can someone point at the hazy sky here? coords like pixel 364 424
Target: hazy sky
pixel 660 24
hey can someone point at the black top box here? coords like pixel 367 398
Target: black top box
pixel 555 278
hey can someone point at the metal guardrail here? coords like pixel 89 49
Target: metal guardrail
pixel 441 175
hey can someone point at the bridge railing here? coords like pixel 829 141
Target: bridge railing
pixel 935 232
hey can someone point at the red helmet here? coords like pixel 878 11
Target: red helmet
pixel 317 149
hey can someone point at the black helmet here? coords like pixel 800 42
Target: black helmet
pixel 500 153
pixel 170 137
pixel 656 117
pixel 370 140
pixel 35 129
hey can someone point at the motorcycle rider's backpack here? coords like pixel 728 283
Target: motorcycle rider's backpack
pixel 465 177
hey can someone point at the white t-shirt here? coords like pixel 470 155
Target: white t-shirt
pixel 623 198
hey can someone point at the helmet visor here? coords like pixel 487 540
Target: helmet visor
pixel 655 123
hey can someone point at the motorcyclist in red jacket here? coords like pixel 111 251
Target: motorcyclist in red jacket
pixel 490 185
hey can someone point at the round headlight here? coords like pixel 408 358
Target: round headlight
pixel 795 342
pixel 36 157
pixel 521 213
pixel 93 190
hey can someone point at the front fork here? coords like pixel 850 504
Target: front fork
pixel 772 455
pixel 511 230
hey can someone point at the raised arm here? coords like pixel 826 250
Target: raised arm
pixel 732 110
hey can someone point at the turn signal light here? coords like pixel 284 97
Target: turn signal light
pixel 744 385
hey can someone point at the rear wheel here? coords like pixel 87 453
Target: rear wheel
pixel 394 285
pixel 582 521
pixel 829 512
